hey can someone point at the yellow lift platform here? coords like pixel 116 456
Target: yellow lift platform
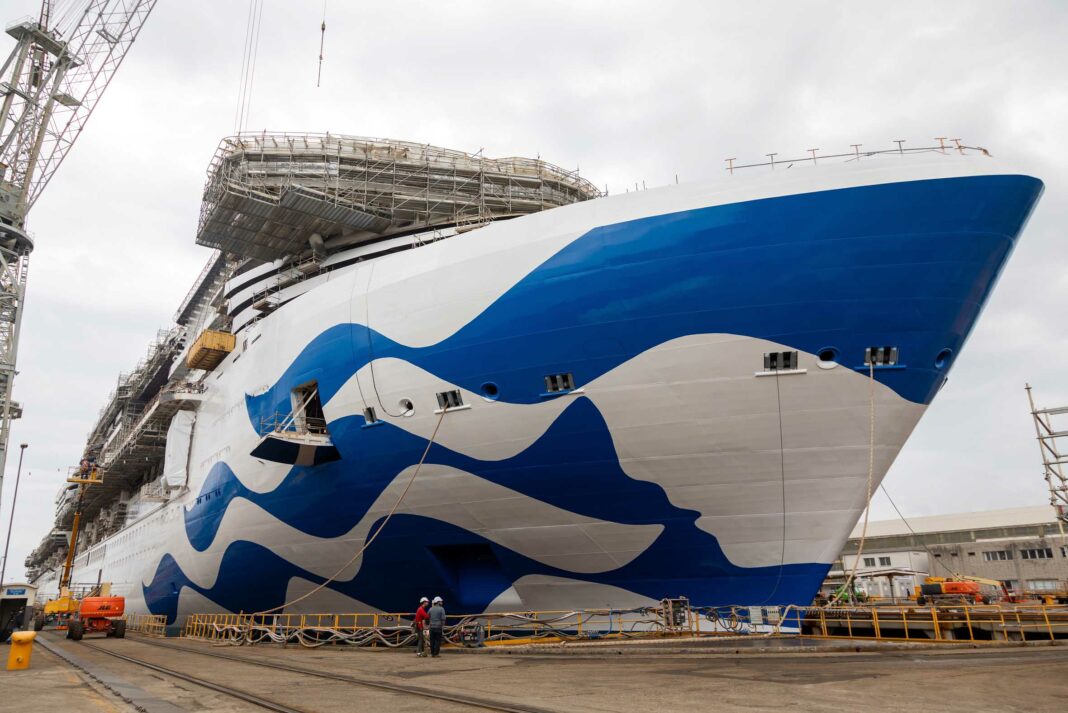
pixel 63 607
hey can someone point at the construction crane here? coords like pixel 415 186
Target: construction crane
pixel 51 82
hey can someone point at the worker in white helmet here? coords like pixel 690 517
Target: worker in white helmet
pixel 421 618
pixel 437 626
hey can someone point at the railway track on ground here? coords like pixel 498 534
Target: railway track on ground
pixel 238 693
pixel 387 686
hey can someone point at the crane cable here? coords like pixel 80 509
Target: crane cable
pixel 248 64
pixel 369 540
pixel 322 42
pixel 933 557
pixel 848 586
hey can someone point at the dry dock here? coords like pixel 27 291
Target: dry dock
pixel 147 674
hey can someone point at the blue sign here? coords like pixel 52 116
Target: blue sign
pixel 15 592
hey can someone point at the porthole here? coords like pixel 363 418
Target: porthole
pixel 942 360
pixel 489 390
pixel 406 406
pixel 828 355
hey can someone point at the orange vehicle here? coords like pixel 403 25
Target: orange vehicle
pixel 99 615
pixel 961 589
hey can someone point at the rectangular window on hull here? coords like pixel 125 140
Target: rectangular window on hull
pixel 780 361
pixel 369 415
pixel 557 383
pixel 1038 553
pixel 884 561
pixel 997 555
pixel 880 356
pixel 869 561
pixel 449 399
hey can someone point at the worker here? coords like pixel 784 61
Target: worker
pixel 437 626
pixel 421 618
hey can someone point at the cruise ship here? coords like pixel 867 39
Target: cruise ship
pixel 408 371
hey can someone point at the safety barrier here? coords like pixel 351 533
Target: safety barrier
pixel 394 630
pixel 673 618
pixel 148 624
pixel 973 623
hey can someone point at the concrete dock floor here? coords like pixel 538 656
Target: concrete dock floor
pixel 803 677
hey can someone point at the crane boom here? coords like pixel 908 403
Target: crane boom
pixel 49 86
pixel 55 83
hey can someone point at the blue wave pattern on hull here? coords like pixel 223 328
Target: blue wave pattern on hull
pixel 846 268
pixel 907 264
pixel 572 466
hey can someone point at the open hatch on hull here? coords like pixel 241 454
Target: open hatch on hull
pixel 300 437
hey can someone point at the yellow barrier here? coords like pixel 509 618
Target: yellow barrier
pixel 972 623
pixel 909 623
pixel 148 624
pixel 394 629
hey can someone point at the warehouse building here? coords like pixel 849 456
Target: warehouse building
pixel 1024 548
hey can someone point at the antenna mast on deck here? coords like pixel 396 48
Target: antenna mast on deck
pixel 49 85
pixel 1053 461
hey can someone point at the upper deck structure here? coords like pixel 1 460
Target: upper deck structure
pixel 267 195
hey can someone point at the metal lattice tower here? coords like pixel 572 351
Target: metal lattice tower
pixel 49 85
pixel 1053 460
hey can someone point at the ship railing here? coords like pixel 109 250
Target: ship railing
pixel 856 154
pixel 904 623
pixel 279 424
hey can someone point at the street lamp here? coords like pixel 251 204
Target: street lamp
pixel 10 522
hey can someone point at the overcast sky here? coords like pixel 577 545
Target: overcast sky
pixel 629 92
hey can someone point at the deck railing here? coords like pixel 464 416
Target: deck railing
pixel 856 154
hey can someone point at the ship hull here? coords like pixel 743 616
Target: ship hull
pixel 680 464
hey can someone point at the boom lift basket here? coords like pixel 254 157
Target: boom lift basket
pixel 210 348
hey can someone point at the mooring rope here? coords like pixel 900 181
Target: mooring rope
pixel 848 586
pixel 369 540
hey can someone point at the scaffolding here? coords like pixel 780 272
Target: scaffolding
pixel 1050 438
pixel 267 195
pixel 128 440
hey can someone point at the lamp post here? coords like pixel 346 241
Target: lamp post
pixel 10 522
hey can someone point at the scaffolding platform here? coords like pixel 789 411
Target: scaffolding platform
pixel 268 194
